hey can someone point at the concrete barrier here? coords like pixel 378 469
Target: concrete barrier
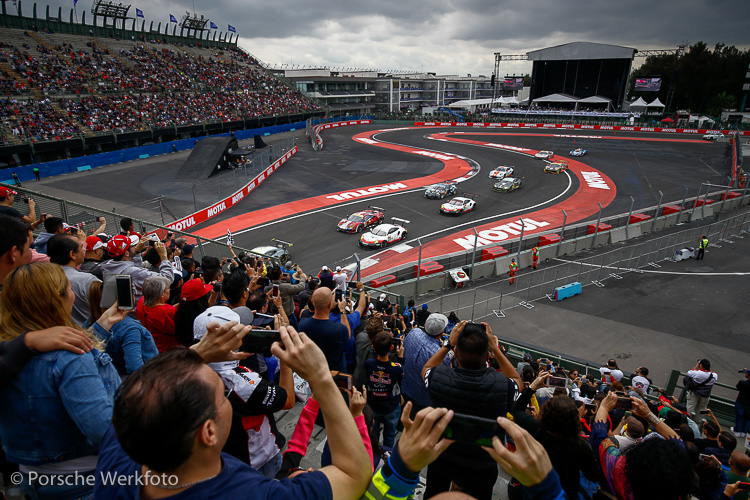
pixel 567 247
pixel 584 243
pixel 565 291
pixel 617 235
pixel 433 282
pixel 482 269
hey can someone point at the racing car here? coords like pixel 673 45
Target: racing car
pixel 544 155
pixel 556 168
pixel 507 185
pixel 383 235
pixel 502 172
pixel 458 205
pixel 579 152
pixel 278 252
pixel 359 221
pixel 440 190
pixel 713 136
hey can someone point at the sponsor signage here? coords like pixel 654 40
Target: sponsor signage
pixel 578 127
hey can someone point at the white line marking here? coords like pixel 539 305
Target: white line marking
pixel 652 271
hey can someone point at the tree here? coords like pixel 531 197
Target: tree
pixel 722 101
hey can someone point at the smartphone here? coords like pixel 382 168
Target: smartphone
pixel 264 281
pixel 624 403
pixel 396 341
pixel 343 381
pixel 217 287
pixel 352 284
pixel 124 289
pixel 471 429
pixel 703 412
pixel 590 406
pixel 744 486
pixel 260 341
pixel 275 290
pixel 339 294
pixel 551 381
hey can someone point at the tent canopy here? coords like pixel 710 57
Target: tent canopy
pixel 655 104
pixel 556 98
pixel 596 99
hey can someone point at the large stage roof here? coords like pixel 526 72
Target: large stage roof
pixel 581 50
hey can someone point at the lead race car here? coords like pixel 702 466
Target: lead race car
pixel 383 235
pixel 279 252
pixel 579 152
pixel 544 155
pixel 459 205
pixel 556 168
pixel 440 190
pixel 502 172
pixel 359 221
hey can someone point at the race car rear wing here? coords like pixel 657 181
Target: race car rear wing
pixel 376 208
pixel 470 195
pixel 281 243
pixel 402 221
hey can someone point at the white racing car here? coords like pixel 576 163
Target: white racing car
pixel 502 172
pixel 383 235
pixel 544 155
pixel 458 206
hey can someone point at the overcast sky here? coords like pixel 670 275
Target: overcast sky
pixel 448 36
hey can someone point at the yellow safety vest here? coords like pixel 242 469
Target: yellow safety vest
pixel 704 243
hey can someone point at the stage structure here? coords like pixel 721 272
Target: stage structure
pixel 193 24
pixel 110 10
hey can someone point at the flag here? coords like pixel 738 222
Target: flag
pixel 75 2
pixel 230 238
pixel 172 19
pixel 138 13
pixel 232 28
pixel 213 26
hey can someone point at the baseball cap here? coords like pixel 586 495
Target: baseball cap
pixel 338 268
pixel 424 306
pixel 153 237
pixel 288 264
pixel 435 324
pixel 187 248
pixel 180 241
pixel 5 191
pixel 93 243
pixel 324 268
pixel 194 289
pixel 526 356
pixel 382 296
pixel 118 245
pixel 221 315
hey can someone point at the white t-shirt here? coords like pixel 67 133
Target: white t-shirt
pixel 641 383
pixel 616 374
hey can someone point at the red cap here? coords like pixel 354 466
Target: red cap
pixel 5 191
pixel 194 289
pixel 119 244
pixel 93 243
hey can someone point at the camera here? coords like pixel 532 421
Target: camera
pixel 25 199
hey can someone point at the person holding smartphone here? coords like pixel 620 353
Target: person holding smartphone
pixel 384 387
pixel 471 388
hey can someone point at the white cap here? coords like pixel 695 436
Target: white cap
pixel 338 268
pixel 324 268
pixel 382 296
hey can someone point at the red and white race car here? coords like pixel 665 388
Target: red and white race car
pixel 383 235
pixel 458 206
pixel 544 155
pixel 359 221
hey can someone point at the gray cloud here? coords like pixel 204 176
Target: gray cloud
pixel 450 36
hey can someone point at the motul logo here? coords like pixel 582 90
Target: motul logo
pixel 183 224
pixel 499 233
pixel 367 192
pixel 594 180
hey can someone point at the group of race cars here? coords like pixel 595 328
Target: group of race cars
pixel 378 234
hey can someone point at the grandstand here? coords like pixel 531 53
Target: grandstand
pixel 88 91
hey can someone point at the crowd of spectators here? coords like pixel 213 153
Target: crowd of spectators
pixel 175 378
pixel 143 86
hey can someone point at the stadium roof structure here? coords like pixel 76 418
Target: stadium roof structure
pixel 581 51
pixel 469 103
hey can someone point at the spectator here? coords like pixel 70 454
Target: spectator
pixel 253 438
pixel 419 347
pixel 635 473
pixel 236 288
pixel 93 256
pixel 287 291
pixel 155 314
pixel 304 295
pixel 629 432
pixel 7 197
pixel 330 336
pixel 67 251
pixel 410 314
pixel 742 406
pixel 383 305
pixel 384 387
pixel 373 324
pixel 474 389
pixel 131 345
pixel 640 380
pixel 739 466
pixel 727 444
pixel 340 279
pixel 422 316
pixel 126 259
pixel 58 407
pixel 182 432
pixel 126 228
pixel 610 373
pixel 52 226
pixel 15 238
pixel 699 382
pixel 195 297
pixel 326 278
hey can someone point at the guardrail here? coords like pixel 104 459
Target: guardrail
pixel 313 131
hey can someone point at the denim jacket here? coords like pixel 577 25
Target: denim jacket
pixel 58 407
pixel 131 346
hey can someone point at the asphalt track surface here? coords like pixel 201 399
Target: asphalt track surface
pixel 657 320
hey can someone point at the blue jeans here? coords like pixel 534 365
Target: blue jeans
pixel 75 490
pixel 389 421
pixel 741 417
pixel 272 467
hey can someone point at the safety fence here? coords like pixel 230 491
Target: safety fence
pixel 314 126
pixel 495 299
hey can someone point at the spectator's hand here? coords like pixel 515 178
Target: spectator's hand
pixel 177 251
pixel 732 489
pixel 143 243
pixel 640 408
pixel 32 203
pixel 102 221
pixel 254 283
pixel 400 350
pixel 220 342
pixel 538 382
pixel 609 402
pixel 360 286
pixel 58 337
pixel 161 250
pixel 457 329
pixel 420 443
pixel 111 317
pixel 297 351
pixel 357 401
pixel 530 464
pixel 80 234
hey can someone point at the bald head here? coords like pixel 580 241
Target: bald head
pixel 739 463
pixel 322 299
